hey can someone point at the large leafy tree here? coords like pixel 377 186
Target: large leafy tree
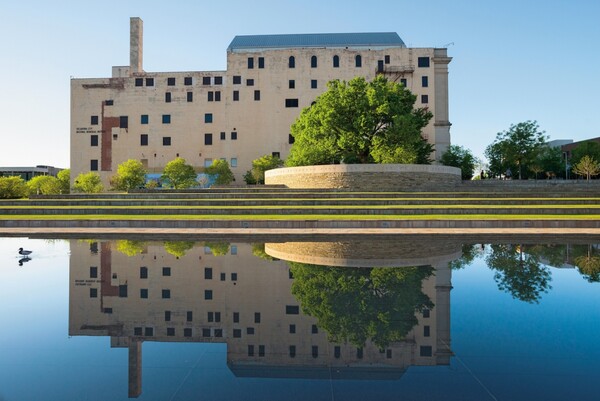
pixel 262 164
pixel 548 160
pixel 587 148
pixel 362 304
pixel 64 177
pixel 458 156
pixel 89 183
pixel 178 248
pixel 12 187
pixel 131 174
pixel 516 148
pixel 221 171
pixel 361 122
pixel 44 185
pixel 178 174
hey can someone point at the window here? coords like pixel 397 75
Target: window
pixel 426 331
pixel 166 141
pixel 208 273
pixel 187 332
pixel 208 294
pixel 313 62
pixel 423 62
pixel 167 97
pixel 210 317
pixel 144 119
pixel 380 68
pixel 205 332
pixel 166 294
pixel 314 329
pixel 426 312
pixel 137 331
pixel 291 84
pixel 358 61
pixel 404 82
pixel 261 62
pixel 94 140
pixel 190 96
pixel 424 81
pixel 236 317
pixel 166 271
pixel 149 81
pixel 257 317
pixel 313 84
pixel 93 165
pixel 233 276
pixel 107 310
pixel 292 351
pixel 233 162
pixel 211 96
pixel 123 122
pixel 139 82
pixel 237 333
pixel 292 309
pixel 388 354
pixel 233 135
pixel 236 96
pixel 291 139
pixel 426 350
pixel 93 293
pixel 123 291
pixel 249 82
pixel 336 61
pixel 167 316
pixel 170 81
pixel 166 119
pixel 218 332
pixel 207 163
pixel 250 331
pixel 223 136
pixel 218 80
pixel 237 79
pixel 337 351
pixel 217 317
pixel 144 140
pixel 208 118
pixel 291 102
pixel 251 350
pixel 387 58
pixel 170 331
pixel 208 139
pixel 205 80
pixel 109 102
pixel 143 272
pixel 424 99
pixel 292 329
pixel 359 353
pixel 93 272
pixel 144 293
pixel 187 81
pixel 234 252
pixel 189 316
pixel 250 63
pixel 261 350
pixel 292 62
pixel 315 351
pixel 222 276
pixel 256 95
pixel 217 96
pixel 94 120
pixel 276 154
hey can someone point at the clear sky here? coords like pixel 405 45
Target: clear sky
pixel 512 60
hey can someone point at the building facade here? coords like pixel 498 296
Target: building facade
pixel 244 112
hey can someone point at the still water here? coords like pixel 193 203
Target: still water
pixel 391 319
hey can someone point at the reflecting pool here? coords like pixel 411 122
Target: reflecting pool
pixel 367 319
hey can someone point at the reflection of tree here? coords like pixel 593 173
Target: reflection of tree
pixel 552 254
pixel 178 248
pixel 131 248
pixel 469 253
pixel 360 304
pixel 218 248
pixel 258 250
pixel 589 264
pixel 520 274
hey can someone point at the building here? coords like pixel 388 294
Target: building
pixel 27 173
pixel 244 112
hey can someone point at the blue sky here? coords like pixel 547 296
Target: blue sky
pixel 512 60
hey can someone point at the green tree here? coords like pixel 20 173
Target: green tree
pixel 178 248
pixel 361 122
pixel 587 148
pixel 218 248
pixel 221 171
pixel 258 250
pixel 44 185
pixel 262 164
pixel 548 160
pixel 361 304
pixel 89 183
pixel 457 156
pixel 12 187
pixel 587 167
pixel 516 148
pixel 64 177
pixel 249 178
pixel 131 174
pixel 589 264
pixel 178 174
pixel 469 253
pixel 130 247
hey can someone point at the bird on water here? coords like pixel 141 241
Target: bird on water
pixel 24 252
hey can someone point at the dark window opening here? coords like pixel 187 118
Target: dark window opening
pixel 94 140
pixel 109 102
pixel 208 294
pixel 236 96
pixel 423 62
pixel 257 95
pixel 291 84
pixel 144 140
pixel 94 120
pixel 166 119
pixel 166 294
pixel 249 82
pixel 170 81
pixel 291 102
pixel 208 273
pixel 190 96
pixel 123 122
pixel 424 81
pixel 291 140
pixel 166 141
pixel 234 136
pixel 261 62
pixel 93 165
pixel 144 119
pixel 167 316
pixel 237 79
pixel 424 99
pixel 313 62
pixel 149 81
pixel 217 96
pixel 358 61
pixel 208 139
pixel 218 80
pixel 336 61
pixel 292 62
pixel 250 63
pixel 205 80
pixel 166 271
pixel 144 293
pixel 292 309
pixel 223 136
pixel 387 58
pixel 208 118
pixel 210 95
pixel 167 97
pixel 139 82
pixel 313 84
pixel 187 80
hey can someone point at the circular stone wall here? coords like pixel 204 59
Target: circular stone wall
pixel 367 177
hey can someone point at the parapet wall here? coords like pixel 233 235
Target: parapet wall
pixel 367 177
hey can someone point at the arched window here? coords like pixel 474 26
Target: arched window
pixel 313 62
pixel 358 60
pixel 336 61
pixel 292 62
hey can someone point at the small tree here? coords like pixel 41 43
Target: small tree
pixel 218 248
pixel 457 156
pixel 221 171
pixel 12 187
pixel 249 178
pixel 262 164
pixel 178 174
pixel 587 167
pixel 44 185
pixel 89 183
pixel 587 148
pixel 64 178
pixel 131 174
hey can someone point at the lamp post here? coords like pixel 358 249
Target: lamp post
pixel 566 154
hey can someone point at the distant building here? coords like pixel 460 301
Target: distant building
pixel 568 148
pixel 557 143
pixel 27 173
pixel 244 112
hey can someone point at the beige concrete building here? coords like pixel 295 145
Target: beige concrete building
pixel 245 111
pixel 238 299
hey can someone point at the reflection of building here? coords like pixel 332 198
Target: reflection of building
pixel 238 299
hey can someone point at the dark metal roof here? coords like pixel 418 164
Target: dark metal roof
pixel 369 39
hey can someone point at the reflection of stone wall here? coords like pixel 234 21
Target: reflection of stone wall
pixel 381 253
pixel 368 177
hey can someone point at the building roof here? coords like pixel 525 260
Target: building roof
pixel 369 39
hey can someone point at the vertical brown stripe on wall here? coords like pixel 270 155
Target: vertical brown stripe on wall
pixel 108 123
